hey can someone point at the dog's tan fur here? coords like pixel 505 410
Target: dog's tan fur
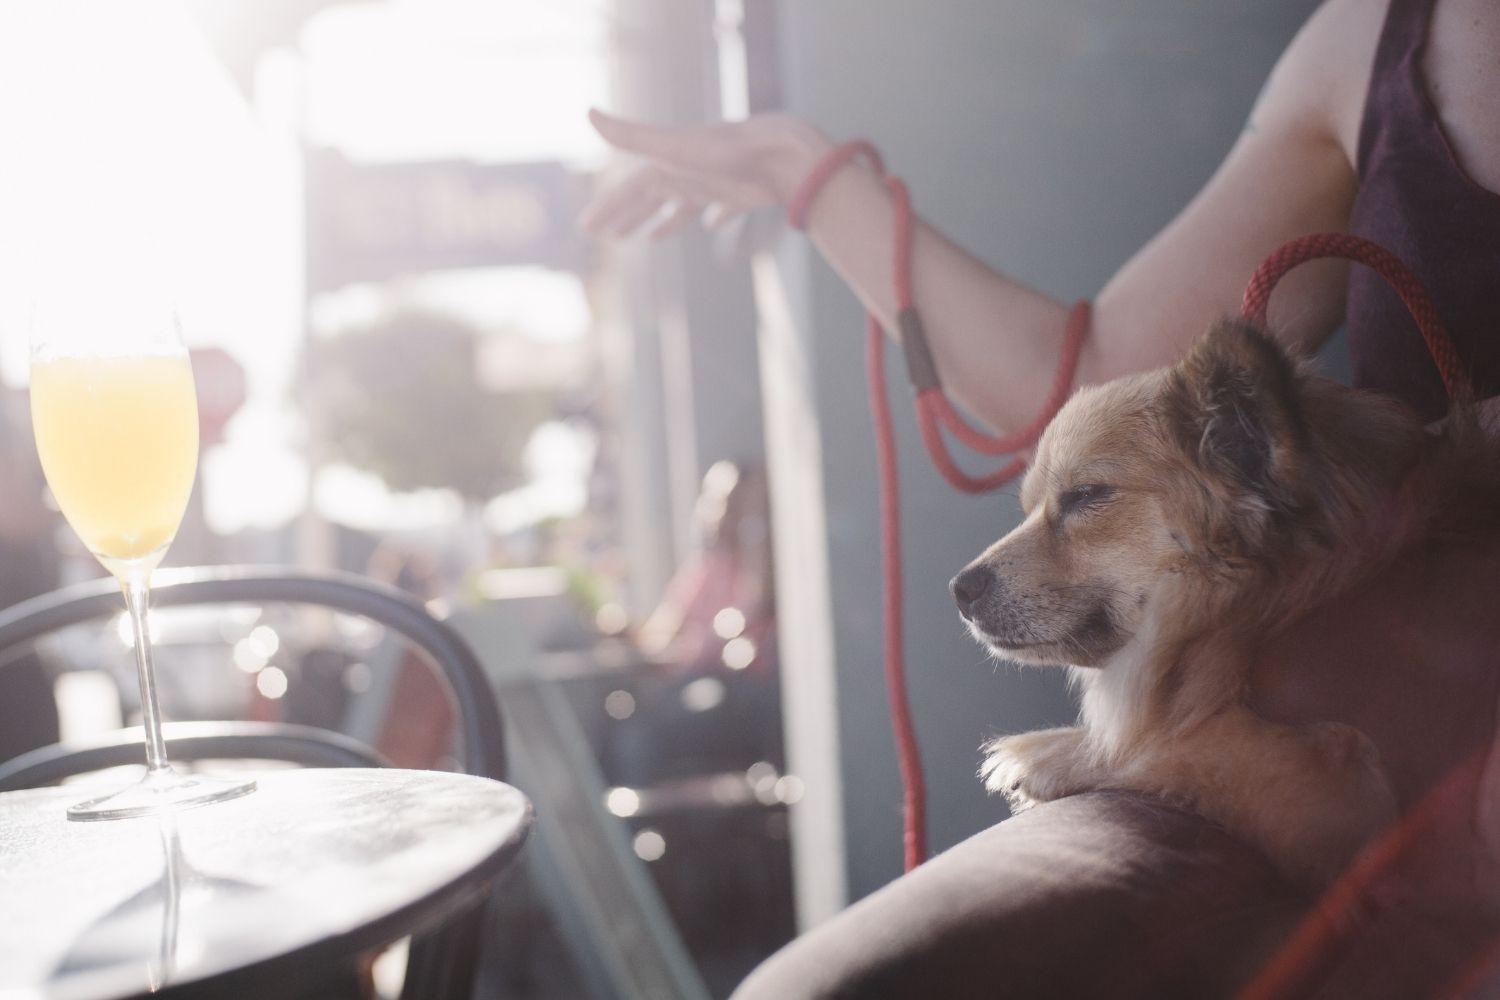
pixel 1173 521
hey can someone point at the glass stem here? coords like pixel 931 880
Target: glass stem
pixel 137 598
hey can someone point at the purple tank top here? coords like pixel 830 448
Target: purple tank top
pixel 1416 199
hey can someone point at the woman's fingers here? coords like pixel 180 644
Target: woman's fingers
pixel 665 192
pixel 598 218
pixel 636 215
pixel 720 214
pixel 624 205
pixel 758 161
pixel 621 198
pixel 672 220
pixel 706 149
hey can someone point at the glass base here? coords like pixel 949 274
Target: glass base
pixel 160 792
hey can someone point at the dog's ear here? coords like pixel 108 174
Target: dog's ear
pixel 1234 406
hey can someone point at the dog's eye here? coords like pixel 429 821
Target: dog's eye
pixel 1081 498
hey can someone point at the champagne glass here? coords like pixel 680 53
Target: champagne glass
pixel 115 416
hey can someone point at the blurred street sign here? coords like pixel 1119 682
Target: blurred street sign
pixel 371 222
pixel 220 381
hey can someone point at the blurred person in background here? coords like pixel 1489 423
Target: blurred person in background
pixel 419 732
pixel 727 575
pixel 713 696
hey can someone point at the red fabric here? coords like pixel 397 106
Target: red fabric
pixel 1335 918
pixel 417 731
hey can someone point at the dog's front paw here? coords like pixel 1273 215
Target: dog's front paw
pixel 1005 770
pixel 1036 767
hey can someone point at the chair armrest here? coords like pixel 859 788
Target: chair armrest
pixel 1103 894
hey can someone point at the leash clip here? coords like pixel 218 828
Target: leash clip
pixel 921 370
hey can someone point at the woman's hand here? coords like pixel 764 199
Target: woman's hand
pixel 717 171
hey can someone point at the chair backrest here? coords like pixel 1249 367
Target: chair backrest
pixel 480 727
pixel 305 746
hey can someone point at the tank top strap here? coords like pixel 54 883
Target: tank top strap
pixel 1395 93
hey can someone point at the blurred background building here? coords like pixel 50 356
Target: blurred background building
pixel 410 365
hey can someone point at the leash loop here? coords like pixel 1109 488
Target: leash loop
pixel 1384 263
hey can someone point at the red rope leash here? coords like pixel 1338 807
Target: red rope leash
pixel 934 411
pixel 1298 967
pixel 1388 266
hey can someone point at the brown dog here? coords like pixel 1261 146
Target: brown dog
pixel 1173 521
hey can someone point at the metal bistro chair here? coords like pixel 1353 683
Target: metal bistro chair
pixel 442 961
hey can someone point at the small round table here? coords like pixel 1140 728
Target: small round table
pixel 294 880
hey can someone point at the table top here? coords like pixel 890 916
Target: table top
pixel 319 863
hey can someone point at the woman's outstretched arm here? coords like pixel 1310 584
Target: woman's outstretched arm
pixel 996 341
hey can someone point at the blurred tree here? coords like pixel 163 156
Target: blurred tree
pixel 401 398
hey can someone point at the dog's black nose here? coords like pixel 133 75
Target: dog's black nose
pixel 969 586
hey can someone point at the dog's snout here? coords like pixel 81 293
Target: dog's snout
pixel 969 586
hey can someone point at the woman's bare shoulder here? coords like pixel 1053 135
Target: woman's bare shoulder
pixel 1324 76
pixel 1320 81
